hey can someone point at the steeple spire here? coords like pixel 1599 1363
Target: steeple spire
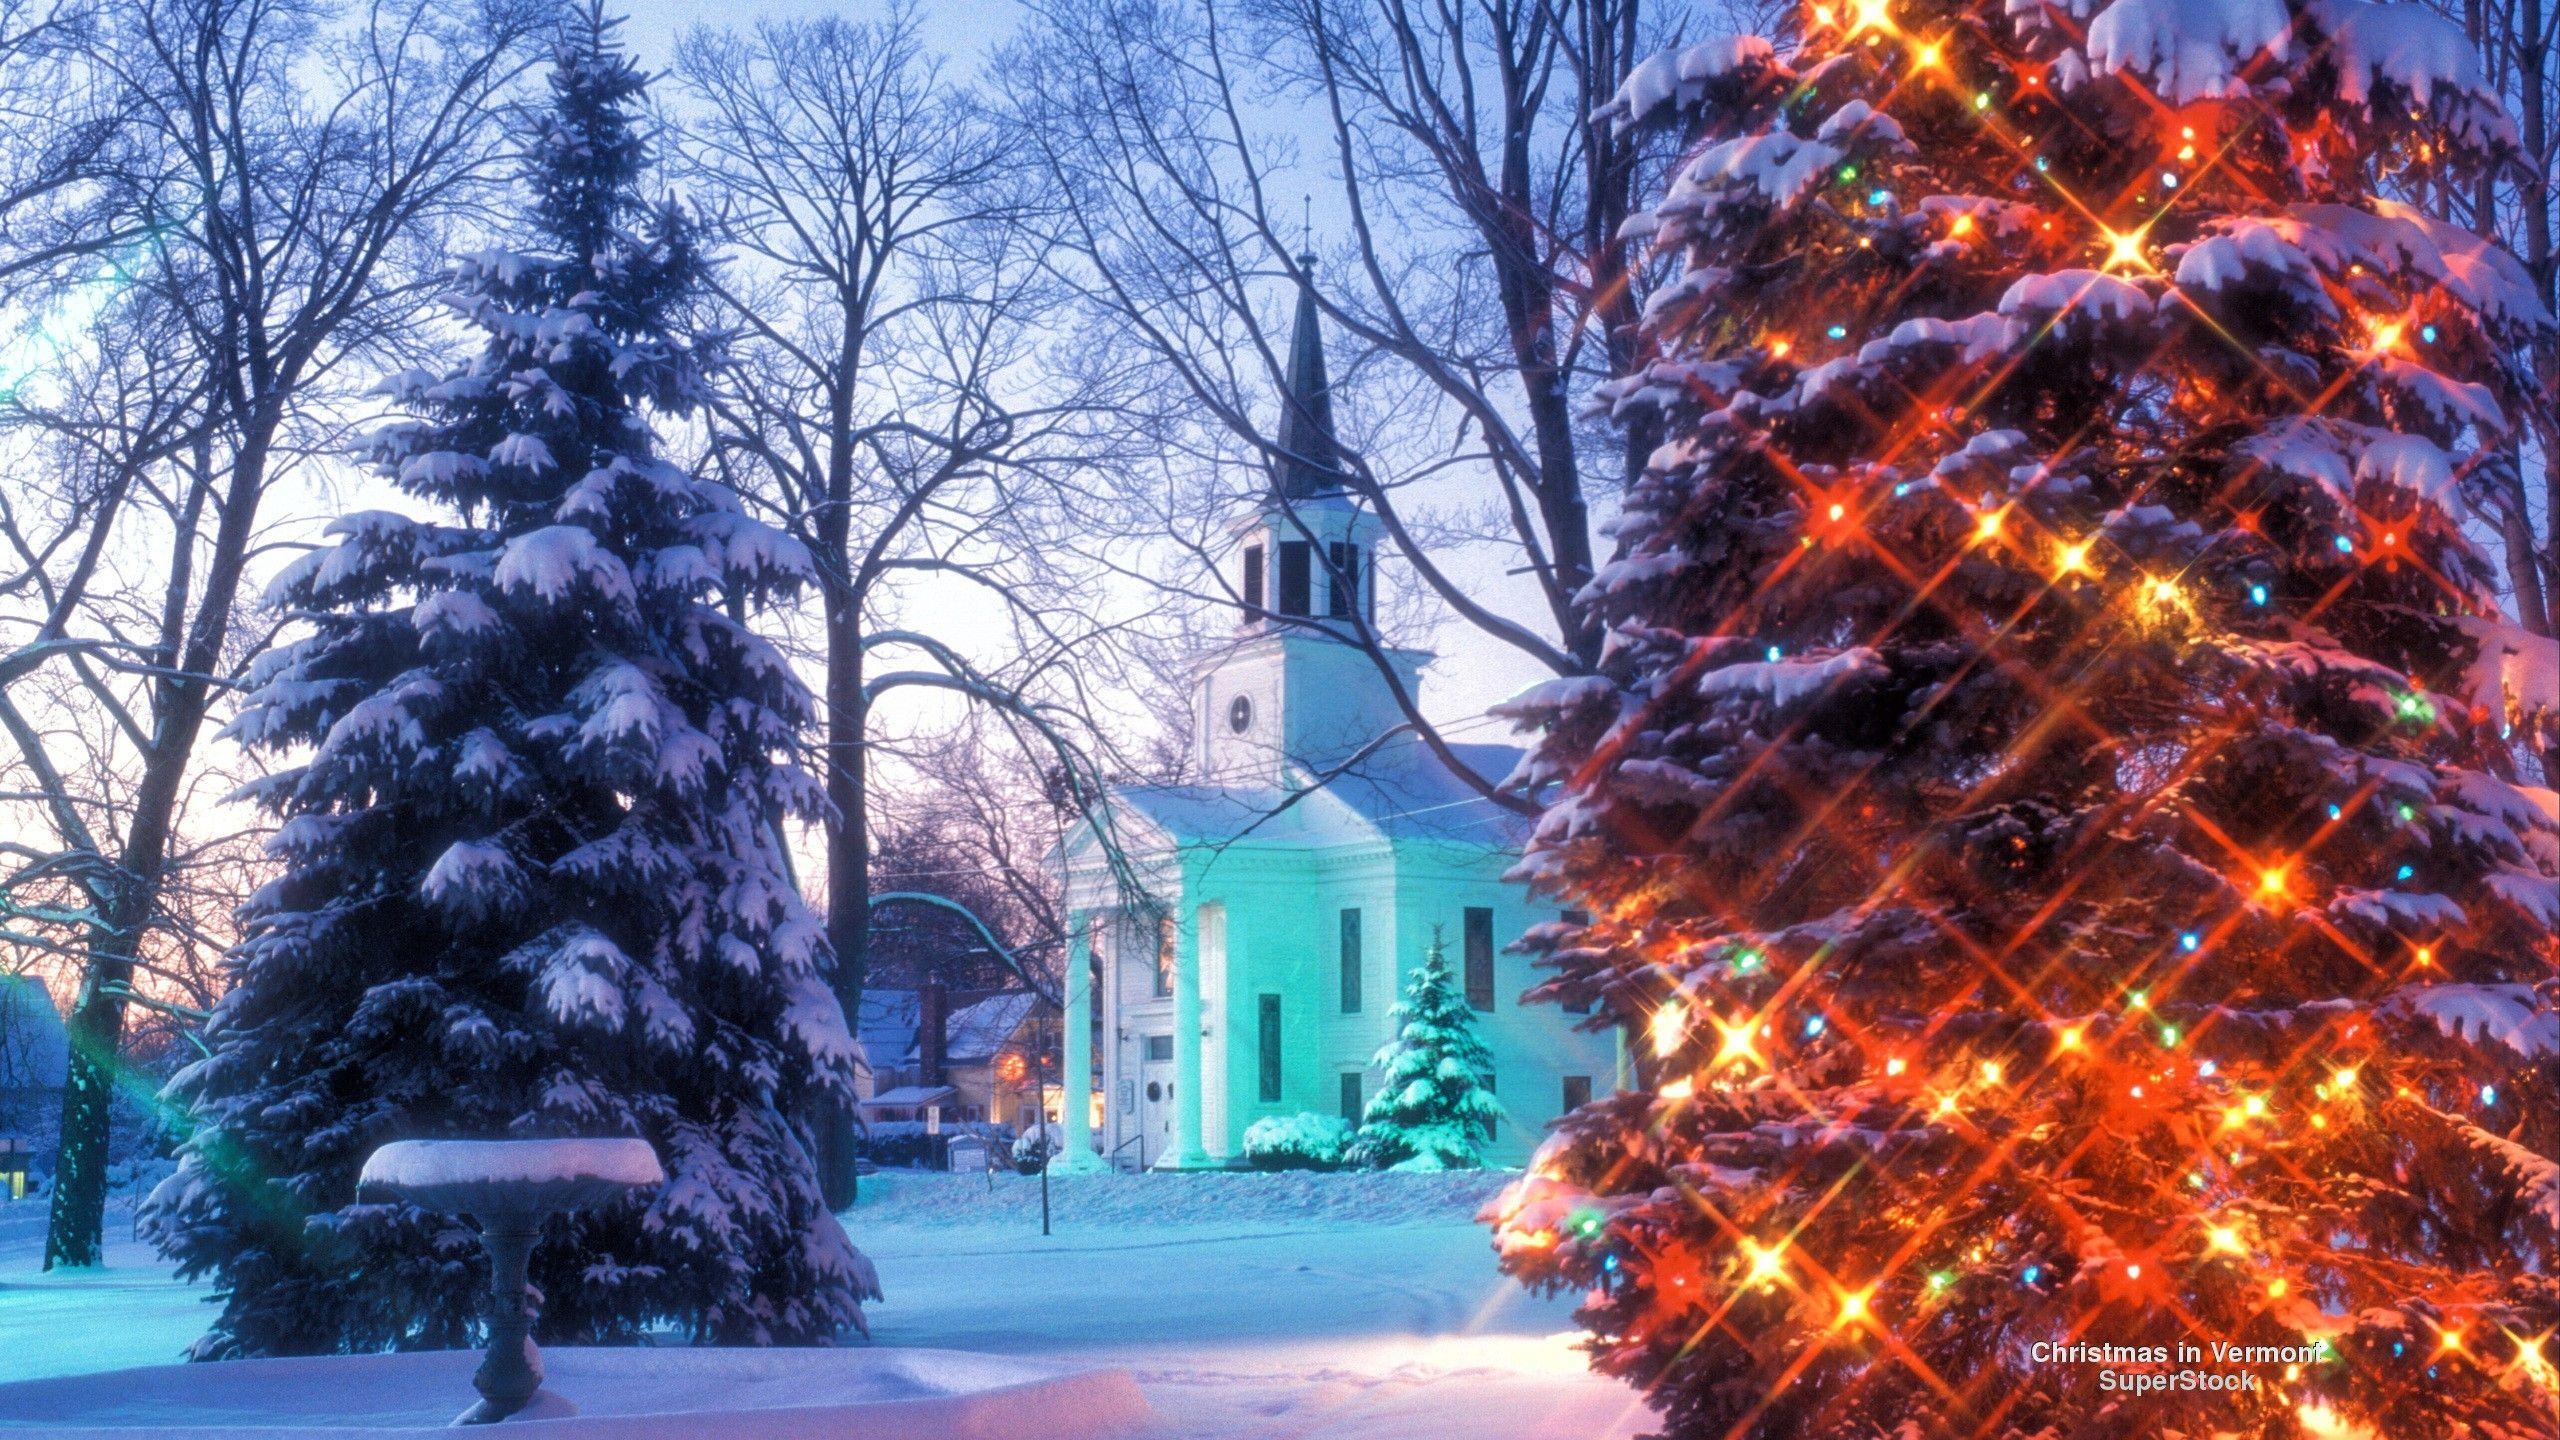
pixel 1310 459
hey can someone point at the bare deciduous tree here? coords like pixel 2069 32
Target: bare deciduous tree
pixel 289 170
pixel 884 398
pixel 1483 282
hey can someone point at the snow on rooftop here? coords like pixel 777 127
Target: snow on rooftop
pixel 1401 792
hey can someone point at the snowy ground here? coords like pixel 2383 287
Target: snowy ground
pixel 1343 1307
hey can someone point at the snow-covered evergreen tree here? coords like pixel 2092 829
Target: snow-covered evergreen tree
pixel 532 883
pixel 2051 807
pixel 1432 1110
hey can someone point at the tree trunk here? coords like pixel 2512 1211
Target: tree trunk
pixel 848 858
pixel 76 1226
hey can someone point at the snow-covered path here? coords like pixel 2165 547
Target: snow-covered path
pixel 1249 1308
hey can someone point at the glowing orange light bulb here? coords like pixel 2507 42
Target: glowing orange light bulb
pixel 1735 1045
pixel 1838 513
pixel 1896 1065
pixel 1778 349
pixel 2123 248
pixel 1853 1305
pixel 1962 225
pixel 2273 881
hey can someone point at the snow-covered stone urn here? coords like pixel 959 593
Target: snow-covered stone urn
pixel 508 1186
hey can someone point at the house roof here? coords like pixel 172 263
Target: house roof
pixel 887 1026
pixel 1402 792
pixel 974 1033
pixel 911 1097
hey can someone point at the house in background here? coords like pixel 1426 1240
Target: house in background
pixel 35 1056
pixel 1289 891
pixel 973 1057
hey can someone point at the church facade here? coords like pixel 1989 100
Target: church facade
pixel 1242 959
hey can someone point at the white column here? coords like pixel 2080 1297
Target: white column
pixel 1186 1153
pixel 1075 1100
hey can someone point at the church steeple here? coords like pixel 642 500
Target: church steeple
pixel 1310 459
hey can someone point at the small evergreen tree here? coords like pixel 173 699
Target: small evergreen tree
pixel 532 884
pixel 1433 1112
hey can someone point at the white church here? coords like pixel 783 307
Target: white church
pixel 1289 890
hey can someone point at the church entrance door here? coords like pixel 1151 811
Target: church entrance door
pixel 1155 1111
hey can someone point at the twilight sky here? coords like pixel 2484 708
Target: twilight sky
pixel 1472 672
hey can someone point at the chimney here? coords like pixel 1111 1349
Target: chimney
pixel 933 1014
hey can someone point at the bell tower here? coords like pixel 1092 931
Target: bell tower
pixel 1296 690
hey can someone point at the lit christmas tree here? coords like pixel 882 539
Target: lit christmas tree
pixel 2052 813
pixel 532 882
pixel 1432 1110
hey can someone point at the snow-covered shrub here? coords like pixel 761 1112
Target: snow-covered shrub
pixel 1304 1141
pixel 904 1144
pixel 1033 1147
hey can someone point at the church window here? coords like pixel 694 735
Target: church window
pixel 1492 1126
pixel 1240 714
pixel 1267 1036
pixel 1342 590
pixel 1252 594
pixel 1351 1096
pixel 1295 587
pixel 1479 930
pixel 1577 1092
pixel 1350 962
pixel 1164 957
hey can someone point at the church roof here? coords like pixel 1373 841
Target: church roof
pixel 1310 459
pixel 1402 792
